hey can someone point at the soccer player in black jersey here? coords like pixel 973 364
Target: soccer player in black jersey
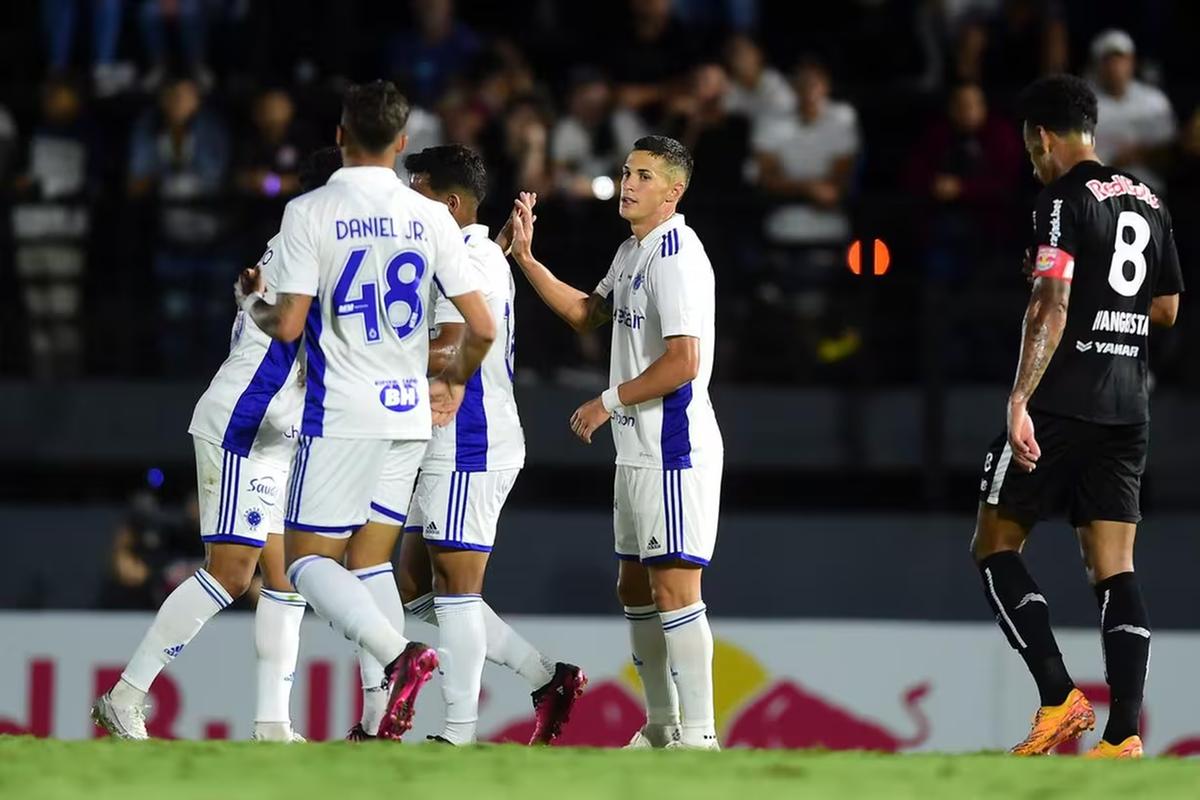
pixel 1104 269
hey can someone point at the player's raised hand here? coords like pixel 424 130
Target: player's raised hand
pixel 505 237
pixel 587 418
pixel 444 400
pixel 248 282
pixel 1021 438
pixel 522 225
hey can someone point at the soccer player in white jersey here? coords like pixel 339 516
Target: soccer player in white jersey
pixel 244 429
pixel 356 263
pixel 466 476
pixel 659 295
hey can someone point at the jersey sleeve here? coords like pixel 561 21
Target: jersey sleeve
pixel 295 255
pixel 453 272
pixel 675 284
pixel 1170 275
pixel 1055 236
pixel 605 287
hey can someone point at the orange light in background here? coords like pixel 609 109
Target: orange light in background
pixel 854 257
pixel 883 258
pixel 880 256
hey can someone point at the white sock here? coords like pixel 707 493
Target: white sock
pixel 505 646
pixel 690 650
pixel 276 646
pixel 509 649
pixel 422 608
pixel 341 598
pixel 650 658
pixel 381 583
pixel 179 619
pixel 462 652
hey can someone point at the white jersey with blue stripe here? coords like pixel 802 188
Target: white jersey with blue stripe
pixel 369 249
pixel 486 434
pixel 252 406
pixel 661 286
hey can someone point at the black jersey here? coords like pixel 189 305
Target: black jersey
pixel 1110 235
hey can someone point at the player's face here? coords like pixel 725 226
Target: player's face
pixel 1037 145
pixel 645 186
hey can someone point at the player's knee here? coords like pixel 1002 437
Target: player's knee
pixel 413 586
pixel 633 592
pixel 234 579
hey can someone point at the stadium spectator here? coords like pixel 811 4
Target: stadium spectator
pixel 757 91
pixel 60 22
pixel 805 162
pixel 518 155
pixel 1005 49
pixel 153 550
pixel 190 20
pixel 592 138
pixel 1136 122
pixel 427 58
pixel 50 228
pixel 655 52
pixel 179 157
pixel 967 165
pixel 267 164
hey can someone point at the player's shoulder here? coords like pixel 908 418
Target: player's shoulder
pixel 680 242
pixel 487 256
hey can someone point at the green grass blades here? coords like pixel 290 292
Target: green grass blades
pixel 47 770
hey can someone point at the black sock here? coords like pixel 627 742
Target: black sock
pixel 1125 632
pixel 1023 615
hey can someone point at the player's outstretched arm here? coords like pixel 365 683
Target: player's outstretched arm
pixel 284 320
pixel 678 365
pixel 578 309
pixel 1041 332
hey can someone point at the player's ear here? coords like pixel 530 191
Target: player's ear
pixel 453 202
pixel 401 142
pixel 338 136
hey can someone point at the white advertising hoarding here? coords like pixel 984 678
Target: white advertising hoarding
pixel 863 685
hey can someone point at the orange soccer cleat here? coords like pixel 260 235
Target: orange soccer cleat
pixel 1053 725
pixel 1130 748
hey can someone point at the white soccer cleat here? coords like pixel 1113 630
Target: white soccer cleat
pixel 276 732
pixel 123 722
pixel 653 737
pixel 681 745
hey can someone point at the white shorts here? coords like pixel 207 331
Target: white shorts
pixel 335 483
pixel 459 510
pixel 664 515
pixel 241 499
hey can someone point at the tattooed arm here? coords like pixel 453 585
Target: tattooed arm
pixel 1045 319
pixel 283 320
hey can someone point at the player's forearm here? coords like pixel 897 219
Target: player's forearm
pixel 563 299
pixel 283 321
pixel 669 372
pixel 1045 320
pixel 467 358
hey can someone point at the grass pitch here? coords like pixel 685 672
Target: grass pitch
pixel 45 770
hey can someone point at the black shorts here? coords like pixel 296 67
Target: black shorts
pixel 1089 471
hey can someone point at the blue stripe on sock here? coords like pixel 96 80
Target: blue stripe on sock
pixel 362 577
pixel 217 597
pixel 680 622
pixel 298 566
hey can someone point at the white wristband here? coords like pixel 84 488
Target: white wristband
pixel 249 300
pixel 610 399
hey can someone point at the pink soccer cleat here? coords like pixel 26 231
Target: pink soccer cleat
pixel 407 674
pixel 553 702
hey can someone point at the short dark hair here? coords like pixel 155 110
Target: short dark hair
pixel 1059 103
pixel 374 114
pixel 669 150
pixel 318 166
pixel 449 167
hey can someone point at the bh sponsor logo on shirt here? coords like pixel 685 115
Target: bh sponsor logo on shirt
pixel 399 396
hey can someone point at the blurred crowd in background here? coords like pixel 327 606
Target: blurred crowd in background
pixel 147 148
